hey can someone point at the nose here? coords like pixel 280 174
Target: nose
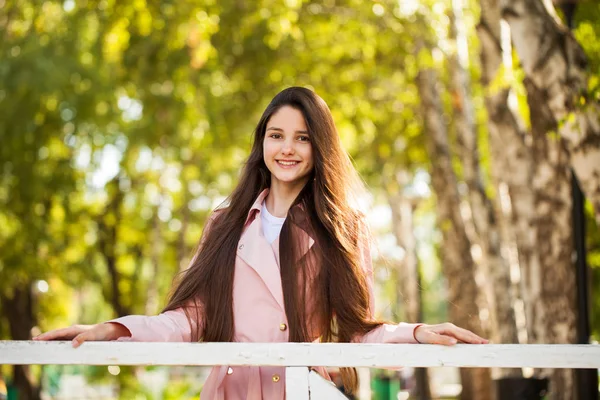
pixel 288 147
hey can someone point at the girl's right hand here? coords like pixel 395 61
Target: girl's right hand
pixel 82 333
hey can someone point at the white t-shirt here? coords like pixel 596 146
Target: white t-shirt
pixel 271 224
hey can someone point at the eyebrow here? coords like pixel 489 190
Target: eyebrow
pixel 273 128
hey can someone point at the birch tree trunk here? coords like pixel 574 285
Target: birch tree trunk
pixel 554 67
pixel 408 278
pixel 555 317
pixel 512 158
pixel 555 64
pixel 487 235
pixel 457 262
pixel 408 297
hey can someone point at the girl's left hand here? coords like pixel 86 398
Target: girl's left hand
pixel 447 334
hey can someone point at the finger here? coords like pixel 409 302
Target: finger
pixel 462 334
pixel 470 337
pixel 435 338
pixel 82 337
pixel 446 340
pixel 63 333
pixel 46 335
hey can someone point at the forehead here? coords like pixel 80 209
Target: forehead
pixel 287 117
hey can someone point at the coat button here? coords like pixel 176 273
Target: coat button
pixel 275 378
pixel 241 246
pixel 229 371
pixel 282 327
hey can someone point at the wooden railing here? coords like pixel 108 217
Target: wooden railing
pixel 296 356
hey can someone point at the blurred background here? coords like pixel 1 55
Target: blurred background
pixel 124 123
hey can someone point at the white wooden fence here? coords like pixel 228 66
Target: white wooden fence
pixel 296 356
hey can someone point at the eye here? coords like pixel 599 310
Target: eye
pixel 304 138
pixel 275 135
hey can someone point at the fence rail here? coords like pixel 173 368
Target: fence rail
pixel 302 354
pixel 296 356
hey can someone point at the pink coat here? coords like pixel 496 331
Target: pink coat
pixel 259 316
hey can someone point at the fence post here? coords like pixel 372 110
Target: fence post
pixel 296 383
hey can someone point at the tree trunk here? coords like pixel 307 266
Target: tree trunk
pixel 555 65
pixel 457 262
pixel 409 283
pixel 408 296
pixel 494 266
pixel 18 310
pixel 152 300
pixel 183 252
pixel 513 164
pixel 107 243
pixel 555 308
pixel 512 158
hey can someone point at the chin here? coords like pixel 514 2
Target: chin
pixel 290 180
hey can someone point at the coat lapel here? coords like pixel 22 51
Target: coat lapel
pixel 256 251
pixel 263 257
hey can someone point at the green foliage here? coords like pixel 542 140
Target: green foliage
pixel 180 390
pixel 587 33
pixel 123 123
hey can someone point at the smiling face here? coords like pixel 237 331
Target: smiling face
pixel 287 148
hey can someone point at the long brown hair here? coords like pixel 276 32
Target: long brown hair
pixel 337 283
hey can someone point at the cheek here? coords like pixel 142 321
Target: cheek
pixel 267 151
pixel 309 157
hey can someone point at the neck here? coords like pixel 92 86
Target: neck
pixel 281 196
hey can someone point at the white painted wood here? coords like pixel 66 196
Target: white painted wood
pixel 322 389
pixel 296 383
pixel 301 354
pixel 364 388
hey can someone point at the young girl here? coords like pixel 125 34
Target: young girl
pixel 287 260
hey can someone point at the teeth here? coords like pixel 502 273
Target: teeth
pixel 288 162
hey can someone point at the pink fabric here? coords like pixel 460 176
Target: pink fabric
pixel 258 313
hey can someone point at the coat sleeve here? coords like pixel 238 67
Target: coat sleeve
pixel 169 326
pixel 386 333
